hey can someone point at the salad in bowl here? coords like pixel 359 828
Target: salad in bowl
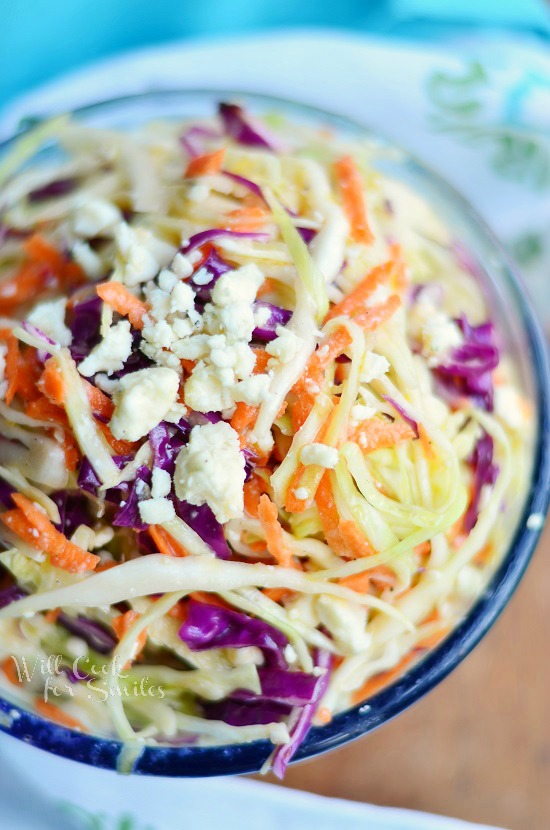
pixel 262 444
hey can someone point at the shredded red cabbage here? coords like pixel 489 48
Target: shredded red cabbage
pixel 241 713
pixel 89 481
pixel 293 688
pixel 5 494
pixel 307 234
pixel 208 626
pixel 204 523
pixel 97 637
pixel 199 239
pixel 192 140
pixel 216 266
pixel 404 414
pixel 244 129
pixel 85 325
pixel 73 510
pixel 42 354
pixel 128 513
pixel 284 753
pixel 485 472
pixel 166 442
pixel 252 186
pixel 60 187
pixel 278 317
pixel 468 373
pixel 11 594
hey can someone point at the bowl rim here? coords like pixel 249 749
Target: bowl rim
pixel 232 759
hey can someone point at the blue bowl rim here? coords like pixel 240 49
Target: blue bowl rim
pixel 234 759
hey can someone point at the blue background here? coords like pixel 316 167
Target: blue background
pixel 40 39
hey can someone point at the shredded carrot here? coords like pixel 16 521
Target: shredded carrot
pixel 207 165
pixel 253 489
pixel 188 365
pixel 43 535
pixel 123 301
pixel 44 269
pixel 51 616
pixel 249 218
pixel 166 543
pixel 351 189
pixel 323 715
pixel 356 543
pixel 356 301
pixel 276 594
pixel 309 385
pixel 52 712
pixel 276 545
pixel 267 286
pixel 118 445
pixel 377 315
pixel 376 683
pixel 262 358
pixel 375 434
pixel 51 384
pixel 9 667
pixel 44 410
pixel 357 582
pixel 328 513
pixel 121 626
pixel 29 371
pixel 244 416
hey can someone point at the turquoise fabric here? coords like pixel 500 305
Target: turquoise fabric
pixel 43 38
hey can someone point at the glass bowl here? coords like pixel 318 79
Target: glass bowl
pixel 522 334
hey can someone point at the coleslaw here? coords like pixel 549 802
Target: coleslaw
pixel 261 446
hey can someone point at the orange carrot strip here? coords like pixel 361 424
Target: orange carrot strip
pixel 206 165
pixel 351 189
pixel 51 616
pixel 166 543
pixel 121 625
pixel 9 668
pixel 356 301
pixel 276 545
pixel 261 361
pixel 375 434
pixel 374 317
pixel 118 445
pixel 106 566
pixel 357 545
pixel 51 384
pixel 63 553
pixel 330 518
pixel 253 489
pixel 376 683
pixel 244 416
pixel 123 301
pixel 52 712
pixel 357 582
pixel 276 594
pixel 249 218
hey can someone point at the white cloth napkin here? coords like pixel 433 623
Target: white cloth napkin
pixel 43 792
pixel 485 127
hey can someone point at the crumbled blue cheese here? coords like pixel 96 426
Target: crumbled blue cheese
pixel 510 407
pixel 439 335
pixel 286 345
pixel 320 454
pixel 94 217
pixel 155 511
pixel 140 255
pixel 301 493
pixel 346 622
pixel 181 266
pixel 142 400
pixel 205 390
pixel 182 298
pixel 111 353
pixel 373 367
pixel 210 470
pixel 253 390
pixel 161 483
pixel 362 412
pixel 49 317
pixel 237 287
pixel 88 259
